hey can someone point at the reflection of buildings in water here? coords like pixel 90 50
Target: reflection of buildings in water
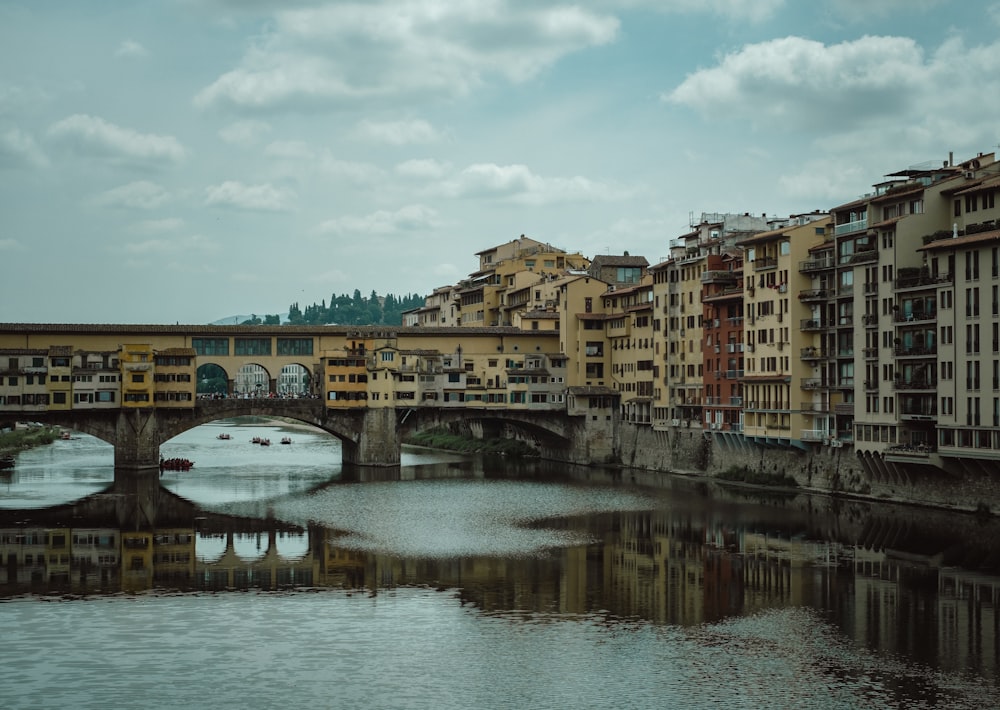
pixel 650 566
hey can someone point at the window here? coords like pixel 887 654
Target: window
pixel 388 356
pixel 210 346
pixel 295 346
pixel 138 377
pixel 253 346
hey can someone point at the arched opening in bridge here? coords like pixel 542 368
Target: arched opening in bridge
pixel 212 380
pixel 294 381
pixel 252 380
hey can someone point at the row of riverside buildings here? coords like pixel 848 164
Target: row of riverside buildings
pixel 874 325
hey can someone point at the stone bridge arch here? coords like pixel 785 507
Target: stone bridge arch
pixel 553 435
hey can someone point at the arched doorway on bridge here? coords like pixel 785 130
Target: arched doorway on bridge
pixel 212 380
pixel 294 381
pixel 252 380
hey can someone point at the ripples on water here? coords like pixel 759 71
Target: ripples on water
pixel 417 648
pixel 485 592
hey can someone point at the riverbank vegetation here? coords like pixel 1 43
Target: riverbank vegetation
pixel 443 439
pixel 21 439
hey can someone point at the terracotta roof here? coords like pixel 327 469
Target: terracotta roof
pixel 980 185
pixel 892 194
pixel 952 243
pixel 885 223
pixel 763 237
pixel 590 316
pixel 190 352
pixel 615 260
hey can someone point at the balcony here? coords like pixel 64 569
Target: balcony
pixel 871 385
pixel 845 321
pixel 815 435
pixel 915 385
pixel 858 225
pixel 813 295
pixel 843 408
pixel 870 320
pixel 716 276
pixel 815 265
pixel 815 408
pixel 905 453
pixel 722 295
pixel 813 325
pixel 864 256
pixel 913 281
pixel 814 383
pixel 814 354
pixel 871 353
pixel 914 318
pixel 765 263
pixel 733 374
pixel 845 353
pixel 915 350
pixel 871 288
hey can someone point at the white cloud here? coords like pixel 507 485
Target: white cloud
pixel 157 226
pixel 398 132
pixel 795 82
pixel 245 132
pixel 131 48
pixel 94 137
pixel 355 172
pixel 519 184
pixel 174 245
pixel 141 194
pixel 8 244
pixel 18 148
pixel 265 198
pixel 405 219
pixel 860 11
pixel 393 50
pixel 426 168
pixel 290 150
pixel 735 10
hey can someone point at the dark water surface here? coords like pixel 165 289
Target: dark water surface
pixel 275 576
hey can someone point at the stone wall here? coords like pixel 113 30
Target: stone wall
pixel 822 468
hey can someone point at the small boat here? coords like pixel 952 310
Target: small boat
pixel 176 464
pixel 6 461
pixel 65 436
pixel 265 442
pixel 286 440
pixel 224 437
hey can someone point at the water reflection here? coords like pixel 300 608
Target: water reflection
pixel 907 582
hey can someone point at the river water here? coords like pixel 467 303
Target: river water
pixel 275 576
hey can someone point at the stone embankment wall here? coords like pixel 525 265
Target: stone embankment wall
pixel 823 469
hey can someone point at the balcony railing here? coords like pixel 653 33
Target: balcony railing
pixel 915 385
pixel 815 408
pixel 814 294
pixel 848 227
pixel 814 383
pixel 718 276
pixel 815 435
pixel 923 280
pixel 765 262
pixel 816 264
pixel 915 350
pixel 812 353
pixel 813 324
pixel 922 317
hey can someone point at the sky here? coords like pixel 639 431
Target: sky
pixel 166 161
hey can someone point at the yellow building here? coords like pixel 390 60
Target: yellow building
pixel 136 362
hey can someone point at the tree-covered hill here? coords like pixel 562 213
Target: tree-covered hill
pixel 355 310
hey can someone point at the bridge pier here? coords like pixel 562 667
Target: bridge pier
pixel 378 442
pixel 137 439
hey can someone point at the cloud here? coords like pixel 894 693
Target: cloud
pixel 398 132
pixel 131 48
pixel 174 245
pixel 860 11
pixel 8 244
pixel 382 53
pixel 426 168
pixel 798 83
pixel 18 149
pixel 406 219
pixel 157 226
pixel 519 184
pixel 245 133
pixel 263 198
pixel 733 10
pixel 92 136
pixel 141 194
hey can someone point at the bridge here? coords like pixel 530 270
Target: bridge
pixel 369 437
pixel 137 386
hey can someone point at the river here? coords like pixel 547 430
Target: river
pixel 275 576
